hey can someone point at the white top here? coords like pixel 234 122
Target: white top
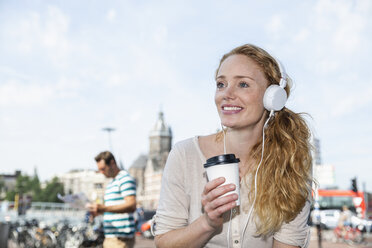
pixel 183 182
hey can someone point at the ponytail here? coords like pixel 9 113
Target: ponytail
pixel 284 179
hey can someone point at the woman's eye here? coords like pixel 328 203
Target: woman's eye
pixel 220 85
pixel 243 85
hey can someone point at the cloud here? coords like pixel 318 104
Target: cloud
pixel 43 34
pixel 54 35
pixel 328 65
pixel 9 72
pixel 160 35
pixel 111 15
pixel 25 33
pixel 67 88
pixel 117 79
pixel 333 44
pixel 275 25
pixel 343 22
pixel 14 93
pixel 302 35
pixel 352 102
pixel 329 36
pixel 135 116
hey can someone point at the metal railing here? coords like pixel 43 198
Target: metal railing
pixel 48 206
pixel 53 206
pixel 41 210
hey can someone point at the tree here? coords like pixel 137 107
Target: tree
pixel 22 184
pixel 35 188
pixel 31 187
pixel 2 187
pixel 52 189
pixel 21 187
pixel 10 195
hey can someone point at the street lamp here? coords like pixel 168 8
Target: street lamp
pixel 109 130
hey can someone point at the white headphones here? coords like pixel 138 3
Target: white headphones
pixel 275 96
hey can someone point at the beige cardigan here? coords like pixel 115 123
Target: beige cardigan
pixel 183 182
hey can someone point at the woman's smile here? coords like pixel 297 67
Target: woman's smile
pixel 229 109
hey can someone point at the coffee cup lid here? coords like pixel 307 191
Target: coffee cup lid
pixel 221 159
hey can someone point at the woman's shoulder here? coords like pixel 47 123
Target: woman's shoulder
pixel 186 143
pixel 208 145
pixel 207 139
pixel 184 154
pixel 197 140
pixel 193 146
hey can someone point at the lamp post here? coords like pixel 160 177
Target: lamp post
pixel 109 130
pixel 316 216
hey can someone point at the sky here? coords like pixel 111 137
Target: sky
pixel 69 68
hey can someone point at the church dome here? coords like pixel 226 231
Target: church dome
pixel 161 128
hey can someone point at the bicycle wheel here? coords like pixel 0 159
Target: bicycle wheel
pixel 358 237
pixel 48 240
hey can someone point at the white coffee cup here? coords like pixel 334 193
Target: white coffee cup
pixel 226 166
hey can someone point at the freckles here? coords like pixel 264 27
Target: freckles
pixel 217 98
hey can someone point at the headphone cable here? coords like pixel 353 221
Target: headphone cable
pixel 258 167
pixel 224 139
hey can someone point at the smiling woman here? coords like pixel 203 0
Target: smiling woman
pixel 275 172
pixel 240 89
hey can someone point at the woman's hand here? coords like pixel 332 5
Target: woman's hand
pixel 214 205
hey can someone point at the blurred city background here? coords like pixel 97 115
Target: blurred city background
pixel 134 77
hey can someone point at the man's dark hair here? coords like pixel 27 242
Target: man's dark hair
pixel 107 156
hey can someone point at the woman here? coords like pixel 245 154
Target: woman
pixel 192 211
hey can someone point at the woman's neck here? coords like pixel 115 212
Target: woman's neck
pixel 240 142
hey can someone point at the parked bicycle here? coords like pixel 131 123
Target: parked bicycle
pixel 350 235
pixel 20 234
pixel 56 234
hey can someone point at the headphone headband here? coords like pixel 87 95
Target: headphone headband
pixel 283 74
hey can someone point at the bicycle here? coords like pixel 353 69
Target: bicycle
pixel 350 235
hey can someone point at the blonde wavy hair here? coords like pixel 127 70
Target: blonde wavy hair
pixel 284 178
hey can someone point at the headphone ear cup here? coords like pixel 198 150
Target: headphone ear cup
pixel 274 98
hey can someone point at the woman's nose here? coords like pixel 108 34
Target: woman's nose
pixel 229 92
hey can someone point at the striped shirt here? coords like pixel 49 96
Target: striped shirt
pixel 119 224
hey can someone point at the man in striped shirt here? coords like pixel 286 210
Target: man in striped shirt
pixel 119 205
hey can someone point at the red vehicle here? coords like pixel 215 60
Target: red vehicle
pixel 335 199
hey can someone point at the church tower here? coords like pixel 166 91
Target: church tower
pixel 148 170
pixel 160 138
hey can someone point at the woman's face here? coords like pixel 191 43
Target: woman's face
pixel 241 85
